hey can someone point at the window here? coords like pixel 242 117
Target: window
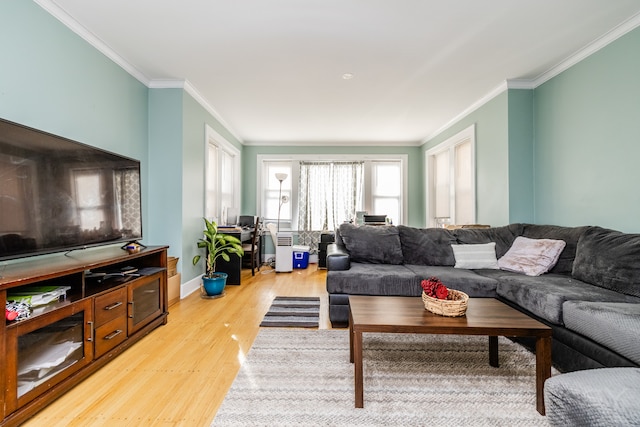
pixel 222 180
pixel 386 189
pixel 380 187
pixel 451 180
pixel 271 207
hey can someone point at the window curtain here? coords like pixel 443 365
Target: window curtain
pixel 329 194
pixel 127 192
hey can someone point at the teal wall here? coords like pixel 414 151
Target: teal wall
pixel 165 166
pixel 588 141
pixel 53 80
pixel 415 185
pixel 520 163
pixel 492 158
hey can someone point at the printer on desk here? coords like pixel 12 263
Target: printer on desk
pixel 375 220
pixel 243 224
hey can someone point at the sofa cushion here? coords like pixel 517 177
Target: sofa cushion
pixel 545 295
pixel 475 256
pixel 614 325
pixel 609 259
pixel 532 257
pixel 372 244
pixel 496 274
pixel 594 397
pixel 466 281
pixel 502 236
pixel 427 246
pixel 374 279
pixel 570 235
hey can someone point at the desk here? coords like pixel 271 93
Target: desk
pixel 234 265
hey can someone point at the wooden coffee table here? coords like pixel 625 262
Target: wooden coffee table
pixel 407 315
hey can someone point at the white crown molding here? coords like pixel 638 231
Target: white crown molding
pixel 479 103
pixel 333 144
pixel 61 15
pixel 520 84
pixel 166 84
pixel 609 37
pixel 191 90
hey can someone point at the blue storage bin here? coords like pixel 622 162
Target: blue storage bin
pixel 300 256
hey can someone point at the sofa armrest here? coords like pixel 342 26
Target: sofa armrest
pixel 337 257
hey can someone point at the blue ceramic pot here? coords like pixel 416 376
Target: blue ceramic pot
pixel 214 285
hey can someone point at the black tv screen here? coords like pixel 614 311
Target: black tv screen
pixel 57 194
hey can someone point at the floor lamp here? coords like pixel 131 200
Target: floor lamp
pixel 284 240
pixel 280 177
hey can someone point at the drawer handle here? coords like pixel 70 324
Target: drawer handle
pixel 113 334
pixel 114 305
pixel 90 339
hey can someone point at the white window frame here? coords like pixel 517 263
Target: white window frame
pixel 295 167
pixel 213 138
pixel 468 134
pixel 290 187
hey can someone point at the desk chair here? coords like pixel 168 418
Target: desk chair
pixel 252 248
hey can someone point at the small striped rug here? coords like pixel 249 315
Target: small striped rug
pixel 297 312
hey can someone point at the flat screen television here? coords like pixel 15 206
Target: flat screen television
pixel 58 195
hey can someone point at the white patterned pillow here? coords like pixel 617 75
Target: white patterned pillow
pixel 532 257
pixel 474 256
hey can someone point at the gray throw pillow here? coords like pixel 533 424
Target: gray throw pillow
pixel 372 244
pixel 427 246
pixel 609 259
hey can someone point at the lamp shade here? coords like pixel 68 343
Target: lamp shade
pixel 281 177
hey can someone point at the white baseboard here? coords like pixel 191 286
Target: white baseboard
pixel 190 287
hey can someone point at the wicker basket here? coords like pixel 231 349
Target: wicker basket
pixel 457 306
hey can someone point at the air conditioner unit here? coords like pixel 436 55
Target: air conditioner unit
pixel 284 251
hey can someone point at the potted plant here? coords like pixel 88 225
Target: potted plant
pixel 217 245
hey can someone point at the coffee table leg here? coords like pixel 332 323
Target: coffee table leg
pixel 350 338
pixel 543 369
pixel 493 352
pixel 357 368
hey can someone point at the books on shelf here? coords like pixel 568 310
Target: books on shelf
pixel 38 295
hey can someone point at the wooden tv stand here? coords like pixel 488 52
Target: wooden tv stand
pixel 64 342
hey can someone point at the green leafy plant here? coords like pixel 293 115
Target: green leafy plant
pixel 217 245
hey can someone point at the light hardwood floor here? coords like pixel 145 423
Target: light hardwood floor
pixel 179 374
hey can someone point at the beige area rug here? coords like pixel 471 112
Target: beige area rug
pixel 297 377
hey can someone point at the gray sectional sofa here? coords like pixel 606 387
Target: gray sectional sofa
pixel 590 297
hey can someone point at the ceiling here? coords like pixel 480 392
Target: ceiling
pixel 272 70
